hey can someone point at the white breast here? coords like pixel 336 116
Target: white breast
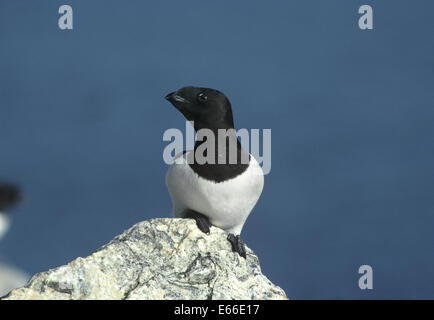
pixel 4 224
pixel 227 204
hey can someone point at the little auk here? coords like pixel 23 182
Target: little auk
pixel 9 195
pixel 219 193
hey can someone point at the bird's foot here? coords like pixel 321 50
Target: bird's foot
pixel 202 222
pixel 237 244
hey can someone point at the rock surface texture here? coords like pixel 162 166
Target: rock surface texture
pixel 157 259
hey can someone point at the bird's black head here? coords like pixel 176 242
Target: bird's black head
pixel 208 108
pixel 9 195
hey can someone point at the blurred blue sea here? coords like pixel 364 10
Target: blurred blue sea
pixel 82 115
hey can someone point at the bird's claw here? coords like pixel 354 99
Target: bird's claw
pixel 202 222
pixel 237 244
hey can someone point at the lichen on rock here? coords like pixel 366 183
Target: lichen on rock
pixel 157 259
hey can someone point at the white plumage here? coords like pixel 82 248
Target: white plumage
pixel 4 224
pixel 227 204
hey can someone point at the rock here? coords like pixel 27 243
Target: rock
pixel 157 259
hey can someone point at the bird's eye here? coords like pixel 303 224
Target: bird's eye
pixel 201 97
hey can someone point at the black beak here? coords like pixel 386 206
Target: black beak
pixel 176 99
pixel 169 97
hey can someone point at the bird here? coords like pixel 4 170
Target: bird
pixel 221 191
pixel 10 276
pixel 9 196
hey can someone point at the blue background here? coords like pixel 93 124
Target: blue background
pixel 82 117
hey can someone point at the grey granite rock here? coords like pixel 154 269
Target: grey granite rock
pixel 157 259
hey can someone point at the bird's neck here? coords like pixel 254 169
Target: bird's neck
pixel 224 144
pixel 219 136
pixel 229 160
